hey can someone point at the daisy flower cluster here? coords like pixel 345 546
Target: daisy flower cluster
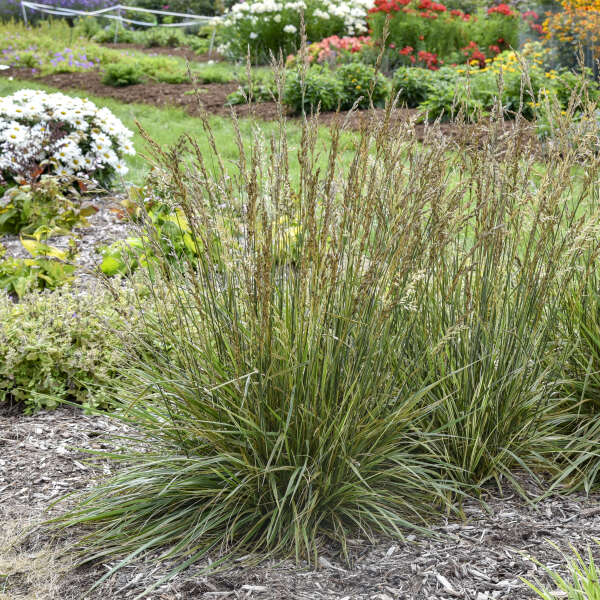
pixel 60 135
pixel 273 25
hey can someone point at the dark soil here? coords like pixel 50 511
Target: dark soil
pixel 212 95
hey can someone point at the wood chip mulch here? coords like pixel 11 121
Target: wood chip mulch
pixel 480 558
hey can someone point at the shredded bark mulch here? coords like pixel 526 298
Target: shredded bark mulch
pixel 105 227
pixel 480 558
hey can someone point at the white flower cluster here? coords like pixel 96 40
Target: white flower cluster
pixel 71 135
pixel 352 12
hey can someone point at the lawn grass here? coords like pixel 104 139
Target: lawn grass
pixel 167 125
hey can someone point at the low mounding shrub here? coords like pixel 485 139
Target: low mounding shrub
pixel 362 82
pixel 60 135
pixel 412 85
pixel 121 74
pixel 266 27
pixel 312 89
pixel 59 345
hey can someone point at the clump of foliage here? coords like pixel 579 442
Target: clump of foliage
pixel 350 348
pixel 44 208
pixel 527 86
pixel 307 90
pixel 171 234
pixel 61 346
pixel 47 270
pixel 412 85
pixel 363 84
pixel 581 583
pixel 121 74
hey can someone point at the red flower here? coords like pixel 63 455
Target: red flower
pixel 406 50
pixel 421 37
pixel 501 9
pixel 495 49
pixel 530 14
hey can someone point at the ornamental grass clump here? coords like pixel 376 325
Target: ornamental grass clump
pixel 494 300
pixel 273 417
pixel 348 350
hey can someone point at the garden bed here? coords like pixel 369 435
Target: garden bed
pixel 105 227
pixel 482 557
pixel 181 52
pixel 159 94
pixel 214 95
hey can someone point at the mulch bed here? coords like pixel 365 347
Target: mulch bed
pixel 213 96
pixel 105 227
pixel 181 95
pixel 480 558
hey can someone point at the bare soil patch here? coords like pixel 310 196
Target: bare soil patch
pixel 479 558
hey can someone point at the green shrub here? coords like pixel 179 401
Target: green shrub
pixel 317 88
pixel 48 207
pixel 260 89
pixel 60 345
pixel 412 85
pixel 161 37
pixel 121 74
pixel 116 34
pixel 473 97
pixel 362 81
